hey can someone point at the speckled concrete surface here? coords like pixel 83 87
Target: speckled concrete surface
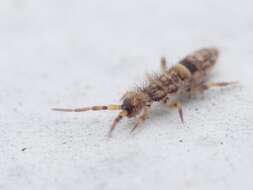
pixel 62 53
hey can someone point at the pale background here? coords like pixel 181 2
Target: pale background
pixel 88 52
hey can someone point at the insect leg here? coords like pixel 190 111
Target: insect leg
pixel 219 84
pixel 142 118
pixel 116 121
pixel 163 64
pixel 175 104
pixel 203 87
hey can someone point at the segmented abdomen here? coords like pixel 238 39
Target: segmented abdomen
pixel 162 85
pixel 191 69
pixel 201 60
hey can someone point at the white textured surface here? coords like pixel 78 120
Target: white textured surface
pixel 76 53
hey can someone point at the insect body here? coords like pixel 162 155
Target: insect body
pixel 187 77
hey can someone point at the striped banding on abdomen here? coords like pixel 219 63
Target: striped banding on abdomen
pixel 189 65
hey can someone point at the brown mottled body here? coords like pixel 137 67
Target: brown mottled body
pixel 190 72
pixel 188 76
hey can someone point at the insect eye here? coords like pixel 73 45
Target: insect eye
pixel 127 107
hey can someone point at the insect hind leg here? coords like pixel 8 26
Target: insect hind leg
pixel 207 86
pixel 219 84
pixel 163 64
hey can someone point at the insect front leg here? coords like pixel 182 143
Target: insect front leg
pixel 142 117
pixel 175 104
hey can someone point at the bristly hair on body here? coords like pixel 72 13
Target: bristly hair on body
pixel 188 77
